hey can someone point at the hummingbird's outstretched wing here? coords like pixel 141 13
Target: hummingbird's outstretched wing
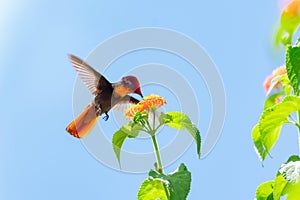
pixel 90 77
pixel 125 103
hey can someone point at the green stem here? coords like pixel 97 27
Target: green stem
pixel 156 149
pixel 299 131
pixel 153 127
pixel 294 123
pixel 159 163
pixel 149 127
pixel 146 128
pixel 298 116
pixel 157 127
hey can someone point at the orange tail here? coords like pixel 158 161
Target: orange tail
pixel 84 123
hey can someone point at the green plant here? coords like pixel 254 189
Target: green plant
pixel 282 106
pixel 145 117
pixel 279 109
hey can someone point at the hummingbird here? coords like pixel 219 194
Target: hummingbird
pixel 107 96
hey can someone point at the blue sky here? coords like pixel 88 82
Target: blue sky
pixel 39 160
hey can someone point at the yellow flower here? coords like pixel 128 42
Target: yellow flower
pixel 130 112
pixel 153 101
pixel 150 102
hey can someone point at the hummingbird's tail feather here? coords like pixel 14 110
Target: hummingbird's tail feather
pixel 84 123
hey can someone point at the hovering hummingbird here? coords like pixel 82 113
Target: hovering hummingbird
pixel 107 95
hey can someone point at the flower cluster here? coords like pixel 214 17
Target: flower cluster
pixel 150 102
pixel 277 72
pixel 291 9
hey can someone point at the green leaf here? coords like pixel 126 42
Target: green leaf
pixel 117 141
pixel 291 170
pixel 181 121
pixel 293 65
pixel 279 185
pixel 264 143
pixel 292 191
pixel 282 186
pixel 152 189
pixel 293 158
pixel 275 116
pixel 258 143
pixel 271 100
pixel 129 130
pixel 270 124
pixel 265 191
pixel 132 129
pixel 285 183
pixel 288 90
pixel 164 118
pixel 178 182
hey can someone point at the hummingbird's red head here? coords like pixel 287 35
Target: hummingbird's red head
pixel 133 83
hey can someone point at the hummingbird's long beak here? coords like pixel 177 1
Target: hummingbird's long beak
pixel 139 92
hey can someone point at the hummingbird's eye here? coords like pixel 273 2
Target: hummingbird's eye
pixel 127 82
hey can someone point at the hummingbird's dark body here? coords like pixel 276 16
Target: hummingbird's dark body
pixel 107 96
pixel 103 100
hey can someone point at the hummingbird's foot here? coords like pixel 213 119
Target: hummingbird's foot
pixel 106 116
